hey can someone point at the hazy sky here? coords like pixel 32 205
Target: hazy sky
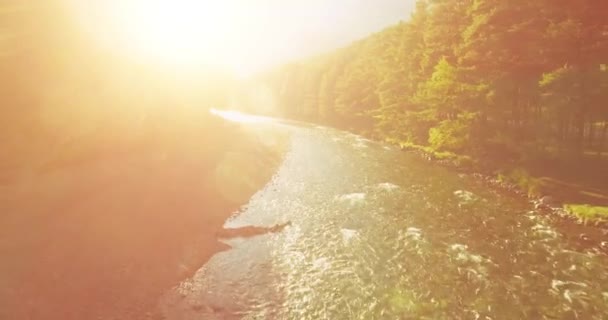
pixel 242 35
pixel 315 26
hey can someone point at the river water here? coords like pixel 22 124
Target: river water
pixel 377 233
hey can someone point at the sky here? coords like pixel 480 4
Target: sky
pixel 315 26
pixel 244 36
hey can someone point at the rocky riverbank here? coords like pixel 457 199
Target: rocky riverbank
pixel 591 234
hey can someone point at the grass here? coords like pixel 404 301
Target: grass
pixel 521 178
pixel 587 213
pixel 458 160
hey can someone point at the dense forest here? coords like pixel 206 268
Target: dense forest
pixel 486 78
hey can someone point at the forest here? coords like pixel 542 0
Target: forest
pixel 517 80
pixel 117 181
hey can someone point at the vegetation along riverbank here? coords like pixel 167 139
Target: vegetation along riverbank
pixel 520 99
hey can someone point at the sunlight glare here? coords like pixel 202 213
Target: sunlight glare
pixel 236 116
pixel 178 32
pixel 173 33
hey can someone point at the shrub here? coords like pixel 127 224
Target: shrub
pixel 587 213
pixel 521 178
pixel 452 135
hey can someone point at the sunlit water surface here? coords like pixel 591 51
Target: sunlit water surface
pixel 379 234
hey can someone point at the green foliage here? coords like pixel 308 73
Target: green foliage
pixel 521 178
pixel 505 80
pixel 453 135
pixel 587 213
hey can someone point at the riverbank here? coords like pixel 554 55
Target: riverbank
pixel 576 198
pixel 101 235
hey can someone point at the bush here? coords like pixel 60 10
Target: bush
pixel 521 178
pixel 587 213
pixel 452 135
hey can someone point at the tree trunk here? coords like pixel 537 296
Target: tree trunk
pixel 580 134
pixel 591 137
pixel 603 145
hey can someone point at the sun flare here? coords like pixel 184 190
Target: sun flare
pixel 176 33
pixel 236 116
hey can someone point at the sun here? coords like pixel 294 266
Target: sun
pixel 180 32
pixel 175 33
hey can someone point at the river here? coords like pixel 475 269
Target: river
pixel 376 233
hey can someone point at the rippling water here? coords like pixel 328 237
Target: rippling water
pixel 378 234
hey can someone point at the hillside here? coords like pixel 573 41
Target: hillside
pixel 518 84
